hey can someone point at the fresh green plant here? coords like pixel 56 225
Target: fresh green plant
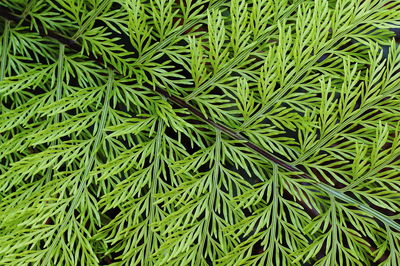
pixel 179 132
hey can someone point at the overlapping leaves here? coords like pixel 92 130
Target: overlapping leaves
pixel 97 168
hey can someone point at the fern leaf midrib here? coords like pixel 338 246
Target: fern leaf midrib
pixel 392 158
pixel 4 52
pixel 153 186
pixel 285 165
pixel 99 135
pixel 343 125
pixel 28 9
pixel 301 73
pixel 244 54
pixel 284 91
pixel 371 211
pixel 91 19
pixel 59 85
pixel 167 41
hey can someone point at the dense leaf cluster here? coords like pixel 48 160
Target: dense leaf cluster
pixel 180 132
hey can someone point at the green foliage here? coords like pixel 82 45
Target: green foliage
pixel 179 132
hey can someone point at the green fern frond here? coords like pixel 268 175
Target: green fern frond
pixel 179 132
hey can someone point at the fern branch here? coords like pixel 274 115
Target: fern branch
pixel 60 78
pixel 90 158
pixel 92 16
pixel 171 38
pixel 301 74
pixel 243 55
pixel 142 171
pixel 284 165
pixel 4 52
